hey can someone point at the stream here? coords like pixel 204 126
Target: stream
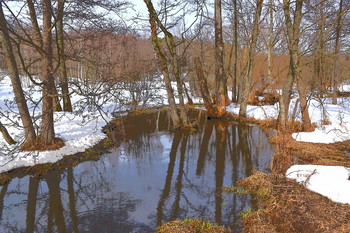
pixel 154 175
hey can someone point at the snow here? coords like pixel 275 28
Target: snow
pixel 329 181
pixel 257 112
pixel 79 132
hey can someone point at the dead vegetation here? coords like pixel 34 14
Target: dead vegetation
pixel 38 145
pixel 261 98
pixel 314 153
pixel 191 226
pixel 289 207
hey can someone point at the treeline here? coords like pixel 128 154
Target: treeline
pixel 244 46
pixel 237 45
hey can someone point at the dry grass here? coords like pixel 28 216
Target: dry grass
pixel 39 146
pixel 289 207
pixel 313 153
pixel 191 226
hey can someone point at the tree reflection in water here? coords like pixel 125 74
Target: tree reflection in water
pixel 149 179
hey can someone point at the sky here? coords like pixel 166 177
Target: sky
pixel 140 6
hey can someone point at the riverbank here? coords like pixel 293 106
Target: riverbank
pixel 288 206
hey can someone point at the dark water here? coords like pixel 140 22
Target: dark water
pixel 149 179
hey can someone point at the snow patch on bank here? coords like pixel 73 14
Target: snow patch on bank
pixel 320 111
pixel 329 181
pixel 77 138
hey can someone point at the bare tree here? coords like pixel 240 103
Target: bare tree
pixel 5 39
pixel 336 51
pixel 247 71
pixel 67 105
pixel 293 34
pixel 178 119
pixel 47 127
pixel 165 70
pixel 208 103
pixel 235 61
pixel 270 43
pixel 219 62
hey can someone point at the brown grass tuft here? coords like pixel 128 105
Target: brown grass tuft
pixel 39 146
pixel 289 207
pixel 191 226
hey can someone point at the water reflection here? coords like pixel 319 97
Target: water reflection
pixel 149 179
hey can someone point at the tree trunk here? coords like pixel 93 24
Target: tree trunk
pixel 47 124
pixel 21 102
pixel 67 105
pixel 170 92
pixel 270 46
pixel 154 20
pixel 235 36
pixel 293 33
pixel 319 62
pixel 6 135
pixel 306 126
pixel 56 101
pixel 219 62
pixel 35 24
pixel 247 72
pixel 204 88
pixel 189 99
pixel 176 72
pixel 336 51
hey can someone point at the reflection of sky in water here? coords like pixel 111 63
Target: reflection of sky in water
pixel 140 183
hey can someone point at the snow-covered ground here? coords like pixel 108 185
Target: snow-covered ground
pixel 83 128
pixel 329 181
pixel 79 130
pixel 319 110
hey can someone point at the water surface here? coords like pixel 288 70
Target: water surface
pixel 155 175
